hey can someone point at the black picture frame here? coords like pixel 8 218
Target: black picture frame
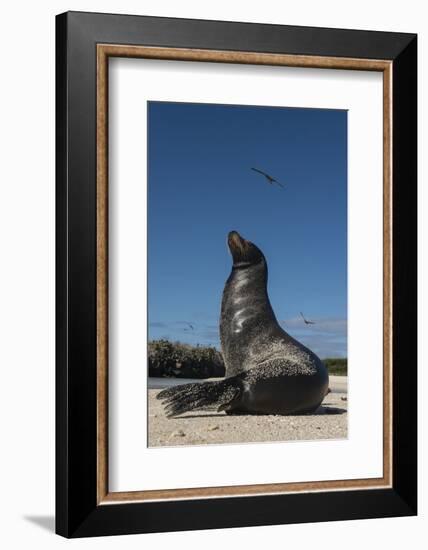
pixel 78 513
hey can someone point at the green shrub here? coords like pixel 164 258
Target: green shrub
pixel 174 359
pixel 336 366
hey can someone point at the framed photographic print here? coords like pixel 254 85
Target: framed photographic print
pixel 194 159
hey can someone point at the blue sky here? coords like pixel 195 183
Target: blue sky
pixel 201 186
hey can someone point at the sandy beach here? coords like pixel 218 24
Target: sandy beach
pixel 208 427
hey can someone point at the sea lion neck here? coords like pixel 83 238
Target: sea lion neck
pixel 244 288
pixel 244 274
pixel 243 265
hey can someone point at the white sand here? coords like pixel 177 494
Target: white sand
pixel 205 427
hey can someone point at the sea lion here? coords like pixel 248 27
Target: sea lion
pixel 267 371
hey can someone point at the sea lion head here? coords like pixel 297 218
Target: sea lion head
pixel 244 253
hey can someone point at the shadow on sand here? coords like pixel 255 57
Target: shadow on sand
pixel 319 412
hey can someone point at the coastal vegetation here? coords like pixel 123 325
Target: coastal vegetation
pixel 179 360
pixel 175 359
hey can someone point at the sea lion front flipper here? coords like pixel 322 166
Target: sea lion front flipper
pixel 200 395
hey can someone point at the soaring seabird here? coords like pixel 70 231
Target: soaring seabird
pixel 306 321
pixel 269 178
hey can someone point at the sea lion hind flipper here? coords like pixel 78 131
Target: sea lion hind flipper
pixel 168 392
pixel 190 397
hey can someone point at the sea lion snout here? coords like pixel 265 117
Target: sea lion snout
pixel 243 251
pixel 234 239
pixel 237 245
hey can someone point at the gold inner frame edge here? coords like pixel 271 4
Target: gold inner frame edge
pixel 104 51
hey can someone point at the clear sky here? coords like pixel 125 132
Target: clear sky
pixel 201 186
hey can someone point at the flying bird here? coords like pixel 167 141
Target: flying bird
pixel 191 327
pixel 306 321
pixel 269 178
